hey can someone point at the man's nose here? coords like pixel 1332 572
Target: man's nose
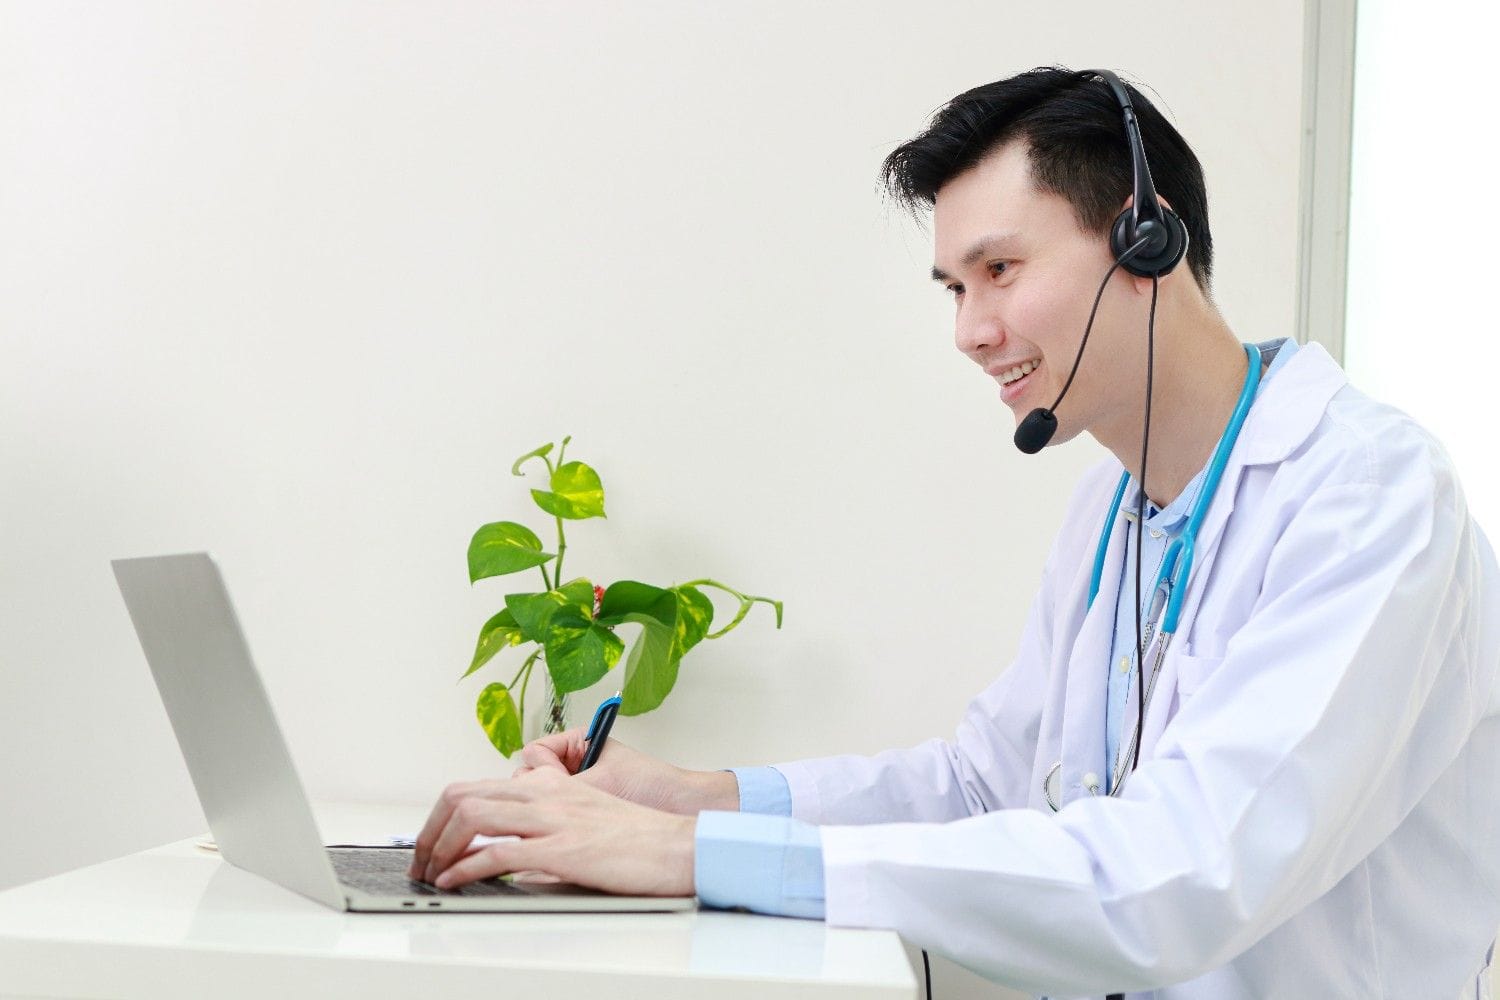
pixel 978 334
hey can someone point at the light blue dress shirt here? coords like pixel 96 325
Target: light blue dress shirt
pixel 762 859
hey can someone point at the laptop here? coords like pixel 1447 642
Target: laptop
pixel 243 773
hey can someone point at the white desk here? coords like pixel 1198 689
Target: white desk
pixel 176 921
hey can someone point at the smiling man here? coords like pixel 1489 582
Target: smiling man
pixel 1303 803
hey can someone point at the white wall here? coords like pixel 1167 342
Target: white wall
pixel 1422 332
pixel 296 282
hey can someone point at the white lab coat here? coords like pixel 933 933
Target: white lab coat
pixel 1317 808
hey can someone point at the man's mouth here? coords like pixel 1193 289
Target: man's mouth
pixel 1014 380
pixel 1017 373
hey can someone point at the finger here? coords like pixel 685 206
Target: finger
pixel 540 757
pixel 495 859
pixel 438 819
pixel 553 750
pixel 478 815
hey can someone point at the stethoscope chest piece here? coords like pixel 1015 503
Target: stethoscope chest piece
pixel 1052 786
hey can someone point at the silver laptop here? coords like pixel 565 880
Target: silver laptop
pixel 256 808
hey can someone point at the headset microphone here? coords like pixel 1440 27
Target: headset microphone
pixel 1036 430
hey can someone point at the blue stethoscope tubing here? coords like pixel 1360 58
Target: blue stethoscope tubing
pixel 1177 563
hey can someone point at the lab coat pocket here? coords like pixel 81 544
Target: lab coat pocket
pixel 1192 671
pixel 1182 675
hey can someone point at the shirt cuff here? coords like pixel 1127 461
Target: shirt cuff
pixel 763 790
pixel 768 864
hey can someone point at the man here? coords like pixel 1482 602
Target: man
pixel 1314 809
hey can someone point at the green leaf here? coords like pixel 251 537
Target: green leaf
pixel 580 594
pixel 533 612
pixel 497 633
pixel 695 615
pixel 504 547
pixel 497 714
pixel 651 667
pixel 515 470
pixel 625 596
pixel 576 493
pixel 579 651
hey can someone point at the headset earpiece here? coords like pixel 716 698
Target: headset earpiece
pixel 1169 241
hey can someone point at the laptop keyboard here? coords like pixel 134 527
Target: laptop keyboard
pixel 382 871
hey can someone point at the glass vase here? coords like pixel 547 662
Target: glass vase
pixel 546 710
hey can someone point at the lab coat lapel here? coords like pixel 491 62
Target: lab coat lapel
pixel 1088 675
pixel 1281 419
pixel 1206 551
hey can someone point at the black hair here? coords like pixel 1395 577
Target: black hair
pixel 1075 136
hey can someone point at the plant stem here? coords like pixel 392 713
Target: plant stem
pixel 521 709
pixel 746 600
pixel 557 567
pixel 562 544
pixel 535 653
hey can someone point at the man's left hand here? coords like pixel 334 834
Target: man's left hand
pixel 568 829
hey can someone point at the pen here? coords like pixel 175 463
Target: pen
pixel 604 718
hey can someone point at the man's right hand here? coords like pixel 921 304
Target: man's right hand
pixel 631 775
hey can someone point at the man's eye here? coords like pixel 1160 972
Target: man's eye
pixel 999 267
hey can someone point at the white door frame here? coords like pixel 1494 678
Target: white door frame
pixel 1323 202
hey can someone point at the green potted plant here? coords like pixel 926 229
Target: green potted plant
pixel 572 625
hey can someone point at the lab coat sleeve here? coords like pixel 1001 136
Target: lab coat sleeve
pixel 1350 687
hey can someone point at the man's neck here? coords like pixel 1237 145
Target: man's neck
pixel 1196 382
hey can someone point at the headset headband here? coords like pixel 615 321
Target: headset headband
pixel 1146 217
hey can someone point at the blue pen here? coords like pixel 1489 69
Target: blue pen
pixel 604 719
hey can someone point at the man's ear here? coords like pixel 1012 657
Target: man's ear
pixel 1142 286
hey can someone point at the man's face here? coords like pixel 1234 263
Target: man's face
pixel 1026 277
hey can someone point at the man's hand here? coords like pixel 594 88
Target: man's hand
pixel 567 828
pixel 631 775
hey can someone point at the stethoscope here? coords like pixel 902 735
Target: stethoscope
pixel 1171 579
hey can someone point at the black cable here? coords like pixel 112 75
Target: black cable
pixel 927 973
pixel 1140 518
pixel 1140 651
pixel 1088 328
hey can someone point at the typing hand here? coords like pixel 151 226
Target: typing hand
pixel 567 828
